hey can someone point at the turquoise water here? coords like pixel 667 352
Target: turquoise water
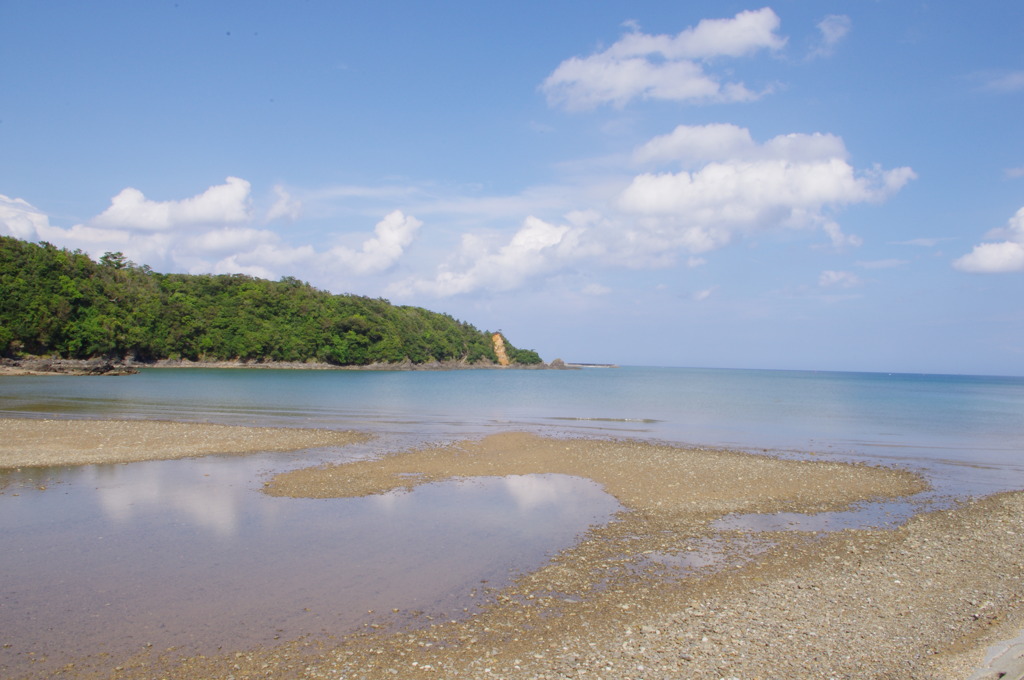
pixel 191 553
pixel 930 420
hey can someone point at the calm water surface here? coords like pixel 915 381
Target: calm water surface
pixel 191 553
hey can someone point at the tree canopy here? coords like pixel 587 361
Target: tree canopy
pixel 56 301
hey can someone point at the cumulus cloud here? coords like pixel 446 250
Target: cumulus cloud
pixel 392 235
pixel 222 203
pixel 732 187
pixel 737 185
pixel 537 247
pixel 220 237
pixel 20 219
pixel 666 67
pixel 690 145
pixel 230 239
pixel 693 190
pixel 261 253
pixel 999 256
pixel 744 192
pixel 833 29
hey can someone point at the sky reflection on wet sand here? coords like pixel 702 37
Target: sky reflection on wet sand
pixel 190 552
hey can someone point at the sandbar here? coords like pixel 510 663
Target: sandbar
pixel 920 601
pixel 30 442
pixel 641 475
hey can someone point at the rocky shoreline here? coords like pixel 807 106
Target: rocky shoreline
pixel 56 366
pixel 113 367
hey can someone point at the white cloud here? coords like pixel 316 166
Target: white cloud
pixel 285 206
pixel 841 241
pixel 229 239
pixel 998 257
pixel 20 219
pixel 220 239
pixel 830 278
pixel 1014 173
pixel 741 192
pixel 663 66
pixel 993 258
pixel 537 247
pixel 691 145
pixel 269 260
pixel 392 235
pixel 731 187
pixel 833 29
pixel 220 204
pixel 740 186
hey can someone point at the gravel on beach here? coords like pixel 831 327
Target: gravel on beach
pixel 29 442
pixel 630 601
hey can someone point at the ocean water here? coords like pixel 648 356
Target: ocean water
pixel 926 420
pixel 190 553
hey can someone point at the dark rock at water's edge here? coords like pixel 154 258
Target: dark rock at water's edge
pixel 449 365
pixel 50 365
pixel 129 366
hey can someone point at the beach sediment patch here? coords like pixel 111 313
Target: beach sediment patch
pixel 30 442
pixel 643 476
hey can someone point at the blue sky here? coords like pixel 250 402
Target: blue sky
pixel 808 185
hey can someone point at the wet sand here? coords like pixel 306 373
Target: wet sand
pixel 631 600
pixel 37 443
pixel 643 476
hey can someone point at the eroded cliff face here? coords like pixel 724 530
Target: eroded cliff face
pixel 499 349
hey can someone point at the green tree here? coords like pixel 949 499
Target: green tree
pixel 62 302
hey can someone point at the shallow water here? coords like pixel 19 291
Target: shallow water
pixel 965 420
pixel 192 553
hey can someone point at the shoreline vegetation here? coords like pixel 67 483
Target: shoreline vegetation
pixel 920 601
pixel 63 304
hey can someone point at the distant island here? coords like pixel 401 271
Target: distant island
pixel 62 308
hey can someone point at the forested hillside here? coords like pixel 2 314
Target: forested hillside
pixel 55 301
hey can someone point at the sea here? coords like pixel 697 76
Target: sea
pixel 190 555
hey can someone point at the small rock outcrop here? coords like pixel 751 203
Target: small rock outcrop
pixel 499 349
pixel 48 365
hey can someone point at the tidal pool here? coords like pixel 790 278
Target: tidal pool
pixel 191 554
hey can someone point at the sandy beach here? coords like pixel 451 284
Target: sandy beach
pixel 921 601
